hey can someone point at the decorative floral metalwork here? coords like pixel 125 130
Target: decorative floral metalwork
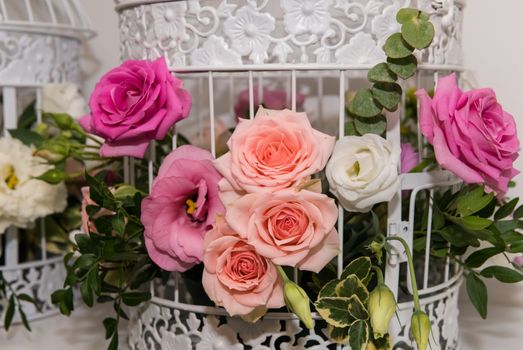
pixel 287 31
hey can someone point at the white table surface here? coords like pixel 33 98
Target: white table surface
pixel 83 330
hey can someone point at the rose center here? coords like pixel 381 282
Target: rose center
pixel 10 178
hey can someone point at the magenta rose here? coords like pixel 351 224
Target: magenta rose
pixel 275 150
pixel 271 99
pixel 133 104
pixel 409 158
pixel 290 227
pixel 181 207
pixel 237 277
pixel 472 135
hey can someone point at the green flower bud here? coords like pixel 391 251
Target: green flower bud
pixel 53 150
pixel 62 120
pixel 125 191
pixel 298 302
pixel 52 176
pixel 382 306
pixel 41 129
pixel 420 329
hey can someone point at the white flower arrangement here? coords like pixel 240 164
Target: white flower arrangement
pixel 63 98
pixel 23 199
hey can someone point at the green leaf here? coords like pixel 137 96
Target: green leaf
pixel 113 345
pixel 374 125
pixel 26 297
pixel 404 67
pixel 119 311
pixel 396 47
pixel 477 292
pixel 329 289
pixel 85 243
pixel 110 325
pixel 458 237
pixel 387 94
pixel 84 262
pixel 357 309
pixel 479 257
pixel 118 222
pixel 473 201
pixel 476 222
pixel 363 104
pixel 23 317
pixel 135 298
pixel 28 117
pixel 406 14
pixel 52 176
pixel 350 129
pixel 358 334
pixel 502 274
pixel 92 210
pixel 518 213
pixel 381 73
pixel 352 286
pixel 87 293
pixel 506 209
pixel 360 267
pixel 27 137
pixel 95 282
pixel 418 31
pixel 104 225
pixel 335 311
pixel 8 318
pixel 338 335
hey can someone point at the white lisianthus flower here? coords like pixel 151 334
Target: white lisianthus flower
pixel 363 171
pixel 24 199
pixel 63 98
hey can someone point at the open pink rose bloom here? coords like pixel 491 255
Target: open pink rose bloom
pixel 134 104
pixel 181 208
pixel 472 135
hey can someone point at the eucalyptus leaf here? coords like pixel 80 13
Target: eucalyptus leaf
pixel 406 14
pixel 375 125
pixel 404 67
pixel 397 47
pixel 363 104
pixel 418 32
pixel 387 94
pixel 350 129
pixel 381 73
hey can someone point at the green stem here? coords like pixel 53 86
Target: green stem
pixel 282 273
pixel 413 282
pixel 379 275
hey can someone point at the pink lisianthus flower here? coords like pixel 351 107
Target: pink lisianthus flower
pixel 409 158
pixel 133 104
pixel 518 261
pixel 271 99
pixel 290 227
pixel 472 135
pixel 237 277
pixel 275 150
pixel 181 207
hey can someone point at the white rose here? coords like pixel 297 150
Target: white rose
pixel 24 199
pixel 363 171
pixel 63 98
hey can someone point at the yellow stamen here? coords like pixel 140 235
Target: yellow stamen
pixel 11 180
pixel 191 206
pixel 354 170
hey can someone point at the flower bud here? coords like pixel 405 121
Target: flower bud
pixel 420 329
pixel 52 176
pixel 62 120
pixel 298 302
pixel 42 129
pixel 382 306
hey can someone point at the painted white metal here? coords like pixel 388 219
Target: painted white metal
pixel 208 51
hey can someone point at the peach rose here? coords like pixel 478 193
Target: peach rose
pixel 290 227
pixel 275 150
pixel 237 277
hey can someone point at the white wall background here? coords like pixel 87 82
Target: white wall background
pixel 493 53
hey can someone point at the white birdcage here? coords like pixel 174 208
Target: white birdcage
pixel 39 45
pixel 316 48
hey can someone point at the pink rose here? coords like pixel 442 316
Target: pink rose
pixel 275 150
pixel 133 104
pixel 237 277
pixel 290 227
pixel 471 133
pixel 271 99
pixel 87 224
pixel 409 158
pixel 181 207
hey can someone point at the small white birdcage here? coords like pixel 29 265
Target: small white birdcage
pixel 315 49
pixel 39 45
